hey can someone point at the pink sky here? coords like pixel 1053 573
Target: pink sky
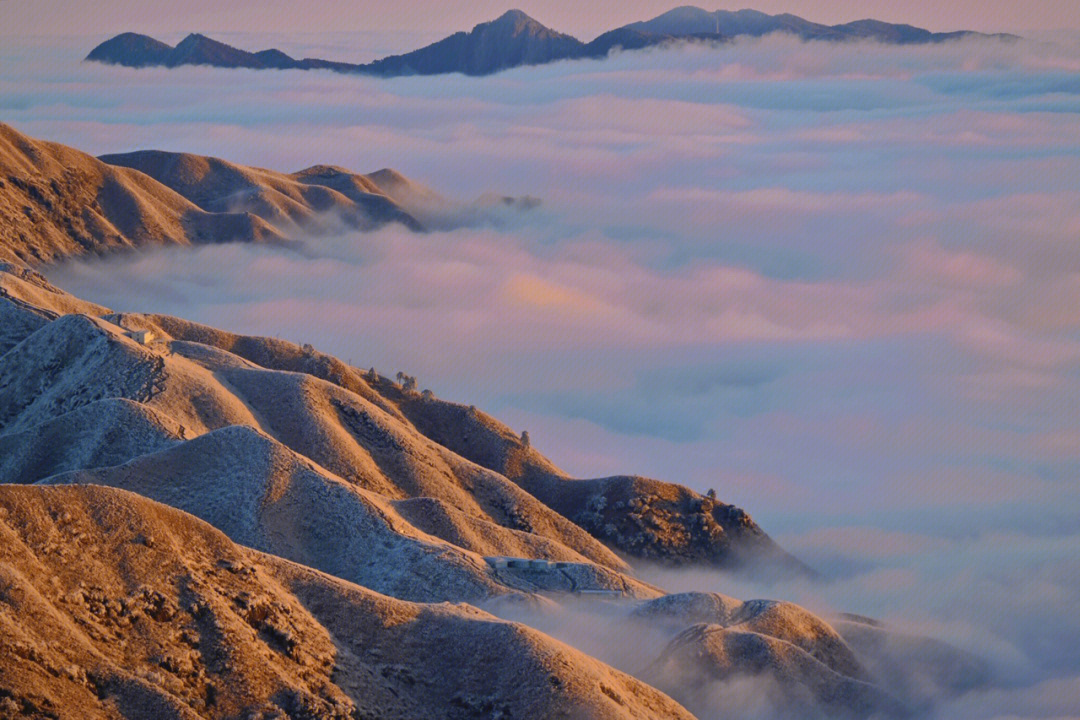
pixel 62 17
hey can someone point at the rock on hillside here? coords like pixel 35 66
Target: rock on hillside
pixel 114 606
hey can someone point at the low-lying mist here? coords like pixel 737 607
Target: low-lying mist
pixel 836 283
pixel 1003 603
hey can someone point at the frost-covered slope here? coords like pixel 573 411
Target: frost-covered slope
pixel 500 496
pixel 357 479
pixel 113 606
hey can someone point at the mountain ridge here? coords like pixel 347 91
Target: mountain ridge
pixel 515 39
pixel 245 497
pixel 115 606
pixel 326 428
pixel 57 202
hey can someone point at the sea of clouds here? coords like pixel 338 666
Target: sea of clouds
pixel 838 283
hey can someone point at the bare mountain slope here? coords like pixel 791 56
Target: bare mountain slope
pixel 725 658
pixel 308 200
pixel 511 40
pixel 81 360
pixel 374 434
pixel 292 452
pixel 28 302
pixel 264 496
pixel 797 662
pixel 791 682
pixel 113 606
pixel 639 516
pixel 56 201
pixel 103 433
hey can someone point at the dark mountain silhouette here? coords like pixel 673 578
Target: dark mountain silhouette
pixel 515 39
pixel 198 49
pixel 689 21
pixel 131 49
pixel 509 41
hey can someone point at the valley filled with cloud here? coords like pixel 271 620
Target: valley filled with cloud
pixel 838 283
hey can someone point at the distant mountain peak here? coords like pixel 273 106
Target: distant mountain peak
pixel 516 23
pixel 131 49
pixel 513 16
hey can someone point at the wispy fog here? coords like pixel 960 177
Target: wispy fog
pixel 840 284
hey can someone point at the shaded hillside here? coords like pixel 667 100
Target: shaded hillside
pixel 514 39
pixel 135 50
pixel 57 202
pixel 689 21
pixel 115 606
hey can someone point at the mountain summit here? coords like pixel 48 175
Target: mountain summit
pixel 510 40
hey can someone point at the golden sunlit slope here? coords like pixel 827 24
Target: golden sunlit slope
pixel 640 517
pixel 492 494
pixel 289 451
pixel 321 198
pixel 112 606
pixel 56 201
pixel 210 431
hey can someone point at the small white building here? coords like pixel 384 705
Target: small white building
pixel 143 337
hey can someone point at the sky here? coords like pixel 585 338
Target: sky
pixel 837 283
pixel 407 18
